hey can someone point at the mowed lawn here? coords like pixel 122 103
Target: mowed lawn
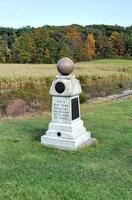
pixel 29 170
pixel 102 68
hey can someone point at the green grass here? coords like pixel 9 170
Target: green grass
pixel 29 170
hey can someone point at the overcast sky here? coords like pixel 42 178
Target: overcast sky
pixel 15 13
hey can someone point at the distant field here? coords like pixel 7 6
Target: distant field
pixel 102 68
pixel 31 82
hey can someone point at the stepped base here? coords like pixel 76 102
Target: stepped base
pixel 68 144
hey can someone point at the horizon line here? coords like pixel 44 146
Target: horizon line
pixel 24 26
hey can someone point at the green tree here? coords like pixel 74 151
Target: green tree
pixel 128 46
pixel 103 49
pixel 23 49
pixel 53 45
pixel 65 50
pixel 5 53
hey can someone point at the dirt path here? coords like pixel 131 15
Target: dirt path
pixel 123 95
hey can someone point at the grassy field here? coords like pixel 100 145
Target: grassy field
pixel 31 82
pixel 29 170
pixel 30 76
pixel 101 68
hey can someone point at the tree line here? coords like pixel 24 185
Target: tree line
pixel 47 44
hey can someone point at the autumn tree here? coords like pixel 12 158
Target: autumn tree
pixel 48 43
pixel 89 46
pixel 75 43
pixel 73 34
pixel 117 43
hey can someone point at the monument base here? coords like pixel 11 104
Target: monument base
pixel 69 144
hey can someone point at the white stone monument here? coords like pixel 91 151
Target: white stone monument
pixel 66 129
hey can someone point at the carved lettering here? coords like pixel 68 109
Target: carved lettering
pixel 60 108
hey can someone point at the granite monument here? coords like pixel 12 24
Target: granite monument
pixel 66 129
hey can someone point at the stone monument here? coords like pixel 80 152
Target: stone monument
pixel 66 129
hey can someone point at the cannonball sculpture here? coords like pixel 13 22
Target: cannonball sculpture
pixel 65 66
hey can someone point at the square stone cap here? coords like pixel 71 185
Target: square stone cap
pixel 71 85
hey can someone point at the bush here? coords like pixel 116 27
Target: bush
pixel 83 97
pixel 2 107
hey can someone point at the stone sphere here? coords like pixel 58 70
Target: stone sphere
pixel 65 66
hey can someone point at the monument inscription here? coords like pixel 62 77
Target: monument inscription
pixel 60 109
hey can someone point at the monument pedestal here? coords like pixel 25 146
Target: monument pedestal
pixel 66 143
pixel 66 129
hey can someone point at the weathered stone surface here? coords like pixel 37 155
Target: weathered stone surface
pixel 71 84
pixel 65 66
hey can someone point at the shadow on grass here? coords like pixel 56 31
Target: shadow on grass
pixel 37 133
pixel 35 130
